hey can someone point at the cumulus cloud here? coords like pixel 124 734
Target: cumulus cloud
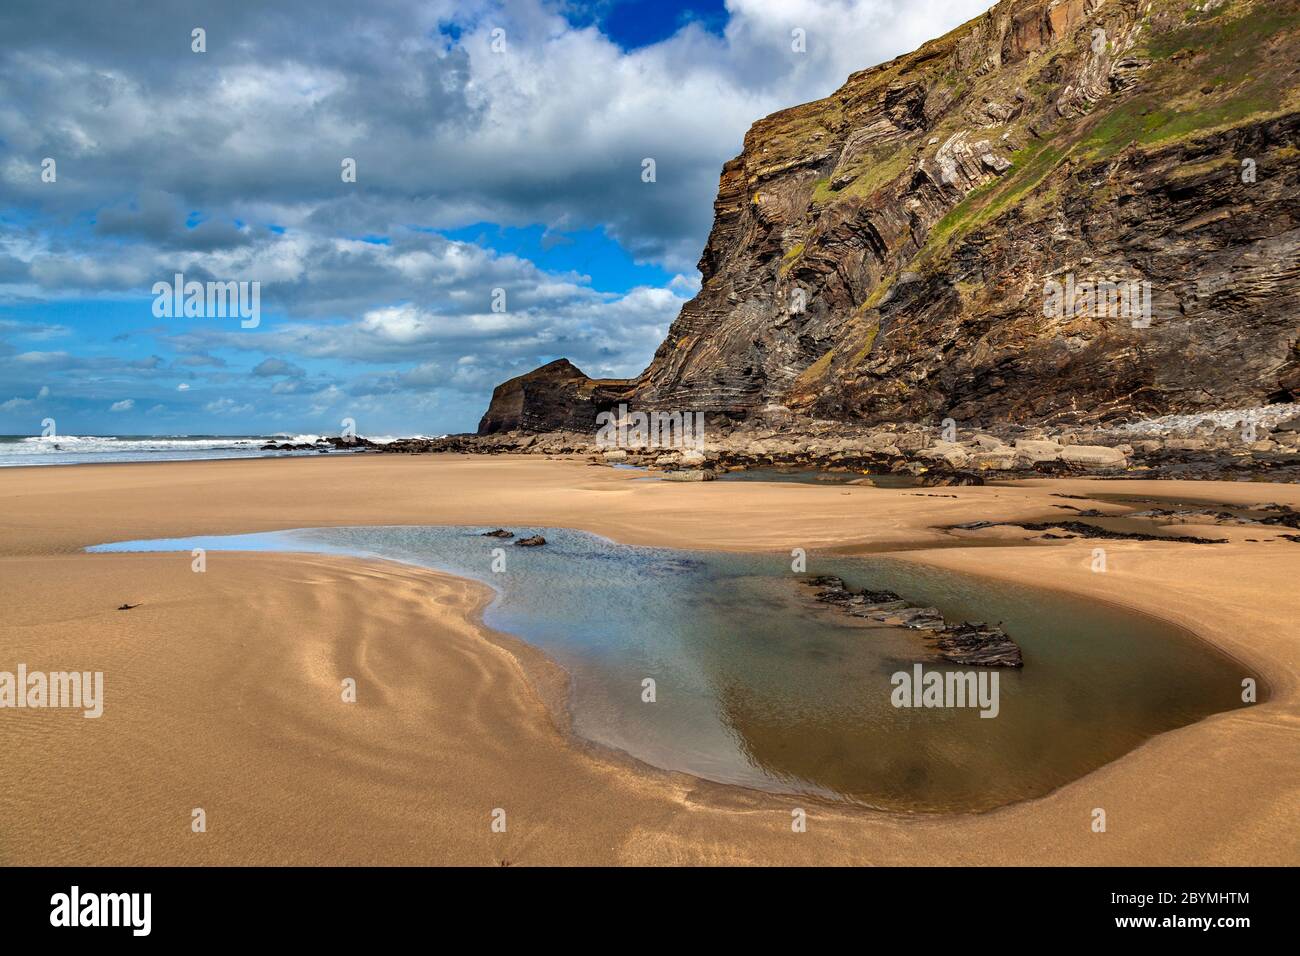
pixel 227 406
pixel 274 367
pixel 125 405
pixel 552 129
pixel 226 166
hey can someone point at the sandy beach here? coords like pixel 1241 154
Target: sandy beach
pixel 222 688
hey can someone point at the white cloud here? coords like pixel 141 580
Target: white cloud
pixel 445 135
pixel 125 405
pixel 226 406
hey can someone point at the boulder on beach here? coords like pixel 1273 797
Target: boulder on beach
pixel 695 475
pixel 534 542
pixel 1031 451
pixel 949 452
pixel 1093 456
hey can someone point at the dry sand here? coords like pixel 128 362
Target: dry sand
pixel 222 689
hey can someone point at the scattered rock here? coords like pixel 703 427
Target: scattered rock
pixel 953 480
pixel 535 541
pixel 966 643
pixel 950 453
pixel 692 457
pixel 498 533
pixel 1032 451
pixel 1085 530
pixel 979 644
pixel 1093 456
pixel 1000 459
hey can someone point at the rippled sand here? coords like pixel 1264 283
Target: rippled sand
pixel 222 689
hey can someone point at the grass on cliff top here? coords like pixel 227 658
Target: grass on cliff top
pixel 1224 32
pixel 1222 57
pixel 1174 109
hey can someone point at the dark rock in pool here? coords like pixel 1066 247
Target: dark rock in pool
pixel 966 643
pixel 498 533
pixel 834 591
pixel 535 541
pixel 980 644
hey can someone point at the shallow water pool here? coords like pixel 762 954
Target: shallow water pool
pixel 756 684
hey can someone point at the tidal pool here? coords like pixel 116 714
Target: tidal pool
pixel 758 685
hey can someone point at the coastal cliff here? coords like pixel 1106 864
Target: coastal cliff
pixel 886 253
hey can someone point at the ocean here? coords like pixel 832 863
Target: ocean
pixel 16 450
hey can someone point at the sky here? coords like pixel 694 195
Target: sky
pixel 500 215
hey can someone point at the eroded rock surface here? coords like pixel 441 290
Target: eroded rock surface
pixel 965 643
pixel 884 254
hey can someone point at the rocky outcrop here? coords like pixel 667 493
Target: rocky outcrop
pixel 891 253
pixel 964 643
pixel 556 396
pixel 339 442
pixel 1261 444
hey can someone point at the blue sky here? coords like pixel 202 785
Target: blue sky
pixel 498 219
pixel 637 23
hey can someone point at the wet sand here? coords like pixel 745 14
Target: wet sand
pixel 223 689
